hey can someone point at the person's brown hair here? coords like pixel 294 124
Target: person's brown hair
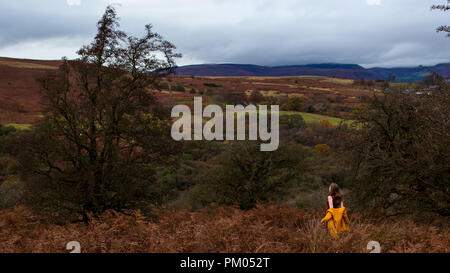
pixel 336 193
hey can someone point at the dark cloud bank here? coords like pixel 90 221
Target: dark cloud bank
pixel 286 32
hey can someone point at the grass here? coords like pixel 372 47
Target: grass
pixel 314 118
pixel 404 84
pixel 27 65
pixel 339 81
pixel 18 126
pixel 309 118
pixel 315 88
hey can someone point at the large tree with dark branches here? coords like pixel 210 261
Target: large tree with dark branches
pixel 102 131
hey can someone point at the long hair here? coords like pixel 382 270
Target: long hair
pixel 336 193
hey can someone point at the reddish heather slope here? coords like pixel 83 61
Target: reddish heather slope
pixel 19 90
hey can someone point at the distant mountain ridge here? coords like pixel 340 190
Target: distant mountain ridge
pixel 350 71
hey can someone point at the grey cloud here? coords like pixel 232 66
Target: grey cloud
pixel 32 20
pixel 395 33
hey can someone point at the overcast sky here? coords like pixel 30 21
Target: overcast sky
pixel 265 32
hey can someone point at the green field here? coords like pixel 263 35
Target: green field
pixel 404 84
pixel 308 117
pixel 19 126
pixel 314 118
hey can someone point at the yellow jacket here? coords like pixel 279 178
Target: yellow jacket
pixel 337 220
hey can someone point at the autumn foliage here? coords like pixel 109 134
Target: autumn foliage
pixel 268 228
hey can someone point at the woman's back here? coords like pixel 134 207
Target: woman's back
pixel 334 202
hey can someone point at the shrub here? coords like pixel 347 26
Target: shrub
pixel 6 132
pixel 293 104
pixel 212 85
pixel 178 88
pixel 164 86
pixel 255 97
pixel 21 108
pixel 235 97
pixel 256 176
pixel 325 125
pixel 322 149
pixel 292 121
pixel 11 192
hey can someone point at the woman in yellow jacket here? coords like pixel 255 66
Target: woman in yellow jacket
pixel 336 218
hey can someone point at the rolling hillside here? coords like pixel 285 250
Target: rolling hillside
pixel 19 89
pixel 349 71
